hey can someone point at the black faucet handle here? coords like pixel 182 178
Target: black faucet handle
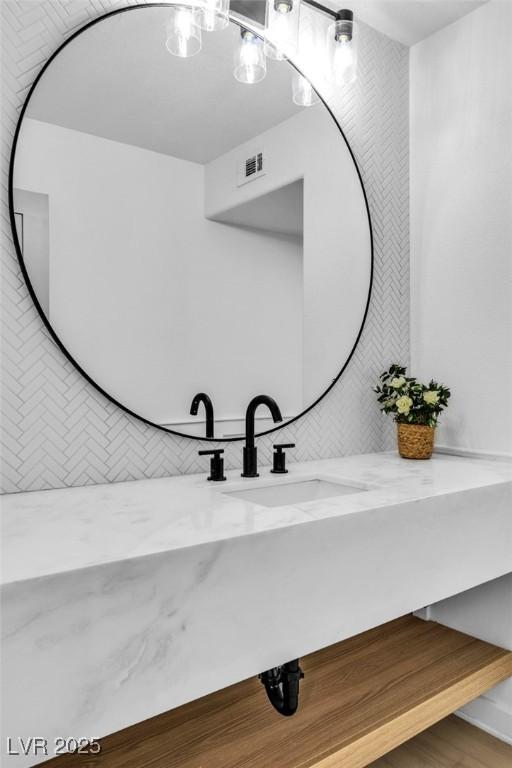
pixel 216 464
pixel 279 467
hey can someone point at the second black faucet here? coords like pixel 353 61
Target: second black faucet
pixel 250 463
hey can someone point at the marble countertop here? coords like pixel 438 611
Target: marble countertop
pixel 122 601
pixel 49 532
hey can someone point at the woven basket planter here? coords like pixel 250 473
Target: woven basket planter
pixel 415 441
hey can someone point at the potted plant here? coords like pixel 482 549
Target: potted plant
pixel 416 408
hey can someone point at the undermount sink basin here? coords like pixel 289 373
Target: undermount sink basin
pixel 309 489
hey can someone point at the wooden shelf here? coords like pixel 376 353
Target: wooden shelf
pixel 360 698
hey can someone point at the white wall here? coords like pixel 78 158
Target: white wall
pixel 461 272
pixel 34 238
pixel 461 224
pixel 336 244
pixel 130 222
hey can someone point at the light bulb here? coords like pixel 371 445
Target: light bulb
pixel 304 95
pixel 282 28
pixel 183 31
pixel 250 63
pixel 342 49
pixel 214 15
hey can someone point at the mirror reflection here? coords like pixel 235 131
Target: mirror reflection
pixel 185 232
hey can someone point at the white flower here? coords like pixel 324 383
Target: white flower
pixel 403 405
pixel 397 382
pixel 431 396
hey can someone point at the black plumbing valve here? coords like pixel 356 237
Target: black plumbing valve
pixel 282 686
pixel 216 464
pixel 279 467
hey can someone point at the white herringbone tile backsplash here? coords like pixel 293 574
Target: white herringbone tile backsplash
pixel 58 431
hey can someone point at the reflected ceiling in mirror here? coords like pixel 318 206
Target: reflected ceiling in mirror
pixel 183 232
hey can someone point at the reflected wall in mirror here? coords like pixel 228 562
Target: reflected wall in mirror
pixel 184 232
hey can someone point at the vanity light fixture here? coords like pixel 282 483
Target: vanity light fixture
pixel 250 62
pixel 280 40
pixel 303 93
pixel 282 28
pixel 342 49
pixel 184 31
pixel 214 15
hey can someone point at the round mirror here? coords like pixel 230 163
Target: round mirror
pixel 185 231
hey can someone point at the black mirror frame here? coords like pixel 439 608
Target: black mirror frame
pixel 34 298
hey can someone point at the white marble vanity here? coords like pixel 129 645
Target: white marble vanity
pixel 122 601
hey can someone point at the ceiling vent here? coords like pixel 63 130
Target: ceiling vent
pixel 251 168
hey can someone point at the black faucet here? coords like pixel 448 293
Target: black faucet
pixel 201 397
pixel 250 451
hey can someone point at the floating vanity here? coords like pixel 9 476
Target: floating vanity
pixel 121 602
